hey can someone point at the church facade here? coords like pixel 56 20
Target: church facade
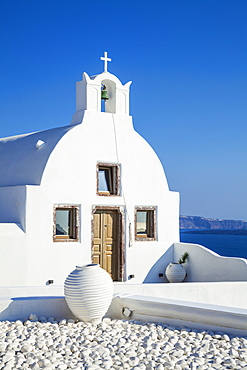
pixel 90 192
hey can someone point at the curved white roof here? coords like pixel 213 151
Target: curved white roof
pixel 22 162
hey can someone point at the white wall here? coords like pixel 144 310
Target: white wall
pixel 13 261
pixel 13 251
pixel 13 203
pixel 205 265
pixel 231 294
pixel 70 178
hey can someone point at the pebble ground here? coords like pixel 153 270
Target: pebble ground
pixel 41 343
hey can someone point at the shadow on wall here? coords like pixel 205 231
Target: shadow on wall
pixel 20 308
pixel 159 267
pixel 28 166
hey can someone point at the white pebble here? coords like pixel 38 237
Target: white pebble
pixel 26 348
pixel 33 317
pixel 3 347
pixel 114 344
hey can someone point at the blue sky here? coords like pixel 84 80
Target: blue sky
pixel 188 63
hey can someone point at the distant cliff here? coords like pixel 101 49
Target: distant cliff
pixel 196 222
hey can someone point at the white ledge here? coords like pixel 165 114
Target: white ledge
pixel 180 313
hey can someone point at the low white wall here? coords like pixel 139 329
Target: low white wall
pixel 21 308
pixel 31 291
pixel 214 306
pixel 231 294
pixel 17 303
pixel 179 313
pixel 204 265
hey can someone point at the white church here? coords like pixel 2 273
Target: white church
pixel 93 191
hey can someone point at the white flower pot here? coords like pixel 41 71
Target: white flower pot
pixel 175 273
pixel 88 292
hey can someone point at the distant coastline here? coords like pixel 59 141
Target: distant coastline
pixel 212 225
pixel 215 232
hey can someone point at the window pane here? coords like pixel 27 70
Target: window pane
pixel 141 222
pixel 62 222
pixel 104 180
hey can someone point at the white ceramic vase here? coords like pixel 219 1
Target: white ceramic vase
pixel 88 292
pixel 175 272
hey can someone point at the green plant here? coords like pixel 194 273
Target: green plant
pixel 183 258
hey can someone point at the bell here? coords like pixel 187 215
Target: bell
pixel 104 95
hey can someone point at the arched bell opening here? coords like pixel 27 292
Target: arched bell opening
pixel 108 96
pixel 104 97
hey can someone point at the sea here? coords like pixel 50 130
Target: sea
pixel 228 243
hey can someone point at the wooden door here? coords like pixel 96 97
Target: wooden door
pixel 105 241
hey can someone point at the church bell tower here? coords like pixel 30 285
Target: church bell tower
pixel 91 90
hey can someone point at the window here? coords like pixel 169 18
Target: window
pixel 145 223
pixel 108 179
pixel 66 223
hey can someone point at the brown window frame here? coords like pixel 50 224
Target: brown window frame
pixel 151 223
pixel 113 173
pixel 74 223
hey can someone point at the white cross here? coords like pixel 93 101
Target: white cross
pixel 105 59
